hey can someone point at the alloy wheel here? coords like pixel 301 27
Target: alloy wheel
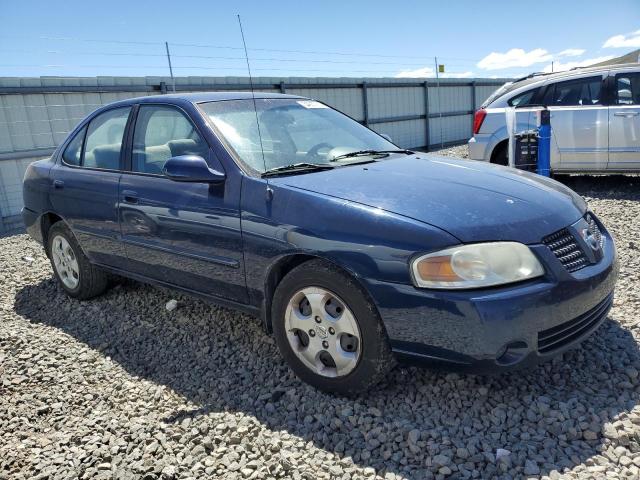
pixel 65 262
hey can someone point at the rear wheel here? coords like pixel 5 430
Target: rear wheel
pixel 76 275
pixel 328 331
pixel 500 155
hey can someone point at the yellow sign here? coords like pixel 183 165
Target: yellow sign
pixel 441 68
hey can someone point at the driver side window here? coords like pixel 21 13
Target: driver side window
pixel 162 132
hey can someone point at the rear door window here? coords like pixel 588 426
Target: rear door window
pixel 579 92
pixel 627 89
pixel 104 139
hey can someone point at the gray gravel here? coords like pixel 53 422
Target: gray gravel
pixel 125 387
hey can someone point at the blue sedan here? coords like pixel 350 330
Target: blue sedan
pixel 354 253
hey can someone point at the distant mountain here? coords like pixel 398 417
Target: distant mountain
pixel 631 57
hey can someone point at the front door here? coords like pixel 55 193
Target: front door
pixel 624 123
pixel 579 123
pixel 85 186
pixel 186 234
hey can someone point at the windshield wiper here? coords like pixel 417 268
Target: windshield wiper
pixel 296 167
pixel 360 153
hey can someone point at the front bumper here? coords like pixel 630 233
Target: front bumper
pixel 499 328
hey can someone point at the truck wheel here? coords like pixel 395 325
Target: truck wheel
pixel 328 331
pixel 500 155
pixel 76 275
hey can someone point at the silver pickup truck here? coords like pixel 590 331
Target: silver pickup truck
pixel 595 118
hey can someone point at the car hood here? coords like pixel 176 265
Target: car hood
pixel 474 201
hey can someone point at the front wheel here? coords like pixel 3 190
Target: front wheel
pixel 328 330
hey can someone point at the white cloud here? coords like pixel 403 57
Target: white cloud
pixel 467 74
pixel 560 67
pixel 516 57
pixel 430 73
pixel 417 73
pixel 571 52
pixel 629 40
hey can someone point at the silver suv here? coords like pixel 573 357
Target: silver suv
pixel 595 118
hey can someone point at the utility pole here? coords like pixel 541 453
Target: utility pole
pixel 173 80
pixel 435 59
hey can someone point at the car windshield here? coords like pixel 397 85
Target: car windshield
pixel 293 131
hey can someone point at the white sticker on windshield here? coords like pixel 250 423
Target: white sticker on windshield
pixel 311 104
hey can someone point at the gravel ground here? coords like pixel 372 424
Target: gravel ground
pixel 120 387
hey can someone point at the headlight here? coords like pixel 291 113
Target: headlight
pixel 476 265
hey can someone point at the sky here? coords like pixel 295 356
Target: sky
pixel 492 39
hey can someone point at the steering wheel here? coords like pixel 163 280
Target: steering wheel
pixel 314 151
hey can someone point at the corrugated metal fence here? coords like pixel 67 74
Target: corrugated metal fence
pixel 37 113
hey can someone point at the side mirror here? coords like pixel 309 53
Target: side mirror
pixel 191 168
pixel 386 137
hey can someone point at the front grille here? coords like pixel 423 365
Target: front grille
pixel 557 337
pixel 566 249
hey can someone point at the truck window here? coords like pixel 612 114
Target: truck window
pixel 523 99
pixel 583 91
pixel 628 89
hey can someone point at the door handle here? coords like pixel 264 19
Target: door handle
pixel 626 114
pixel 129 196
pixel 58 184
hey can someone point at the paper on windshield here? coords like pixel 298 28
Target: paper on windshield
pixel 311 104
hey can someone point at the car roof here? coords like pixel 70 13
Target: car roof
pixel 540 77
pixel 200 97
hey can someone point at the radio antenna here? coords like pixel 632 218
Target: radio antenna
pixel 253 97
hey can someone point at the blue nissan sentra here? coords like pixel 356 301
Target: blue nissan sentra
pixel 353 252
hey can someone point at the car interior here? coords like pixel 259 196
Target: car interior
pixel 162 133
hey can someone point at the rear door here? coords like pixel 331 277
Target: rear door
pixel 579 123
pixel 624 122
pixel 186 234
pixel 85 186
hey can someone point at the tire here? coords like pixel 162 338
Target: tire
pixel 363 359
pixel 75 274
pixel 500 155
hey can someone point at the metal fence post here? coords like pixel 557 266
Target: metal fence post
pixel 5 203
pixel 435 60
pixel 473 102
pixel 426 114
pixel 283 89
pixel 365 103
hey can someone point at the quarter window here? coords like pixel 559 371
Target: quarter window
pixel 628 89
pixel 72 153
pixel 523 99
pixel 104 139
pixel 584 91
pixel 161 133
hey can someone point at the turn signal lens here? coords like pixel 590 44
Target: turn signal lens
pixel 438 269
pixel 475 266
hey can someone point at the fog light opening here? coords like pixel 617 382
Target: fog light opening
pixel 512 353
